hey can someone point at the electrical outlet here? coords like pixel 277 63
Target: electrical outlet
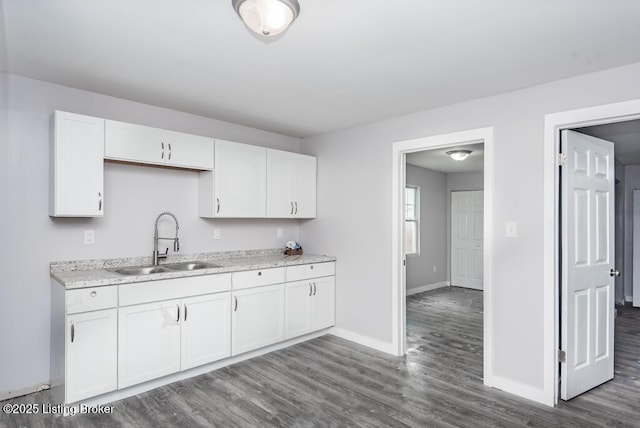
pixel 280 233
pixel 89 236
pixel 435 268
pixel 217 234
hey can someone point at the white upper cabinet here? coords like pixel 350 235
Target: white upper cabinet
pixel 237 187
pixel 143 144
pixel 77 151
pixel 291 185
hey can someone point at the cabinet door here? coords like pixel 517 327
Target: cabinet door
pixel 297 308
pixel 77 163
pixel 189 151
pixel 305 177
pixel 323 306
pixel 257 318
pixel 240 180
pixel 206 329
pixel 92 354
pixel 135 143
pixel 281 176
pixel 148 342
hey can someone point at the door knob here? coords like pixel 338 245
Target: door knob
pixel 614 272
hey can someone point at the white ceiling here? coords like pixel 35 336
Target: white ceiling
pixel 343 63
pixel 439 160
pixel 625 137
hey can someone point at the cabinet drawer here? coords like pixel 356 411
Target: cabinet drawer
pixel 178 288
pixel 91 299
pixel 314 270
pixel 258 277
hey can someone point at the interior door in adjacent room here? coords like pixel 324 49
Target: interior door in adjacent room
pixel 467 218
pixel 587 257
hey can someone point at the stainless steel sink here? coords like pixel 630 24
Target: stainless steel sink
pixel 191 266
pixel 139 270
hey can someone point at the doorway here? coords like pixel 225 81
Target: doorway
pixel 400 151
pixel 555 124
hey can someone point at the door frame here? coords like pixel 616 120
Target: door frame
pixel 553 124
pixel 398 280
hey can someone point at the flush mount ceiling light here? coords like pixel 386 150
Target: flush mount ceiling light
pixel 267 17
pixel 459 155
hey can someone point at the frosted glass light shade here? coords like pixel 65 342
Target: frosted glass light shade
pixel 267 17
pixel 459 155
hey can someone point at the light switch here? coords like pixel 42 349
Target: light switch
pixel 217 234
pixel 279 233
pixel 89 236
pixel 512 229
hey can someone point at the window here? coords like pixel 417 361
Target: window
pixel 412 220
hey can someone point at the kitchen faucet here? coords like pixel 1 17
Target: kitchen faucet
pixel 176 243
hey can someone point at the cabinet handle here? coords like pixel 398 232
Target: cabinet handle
pixel 93 294
pixel 291 213
pixel 99 201
pixel 162 154
pixel 259 273
pixel 310 289
pixel 296 208
pixel 217 205
pixel 178 319
pixel 315 288
pixel 185 312
pixel 73 332
pixel 236 305
pixel 169 151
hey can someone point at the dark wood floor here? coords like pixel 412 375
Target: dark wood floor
pixel 329 382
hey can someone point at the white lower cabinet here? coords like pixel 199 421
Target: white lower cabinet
pixel 148 342
pixel 206 329
pixel 309 306
pixel 92 343
pixel 258 318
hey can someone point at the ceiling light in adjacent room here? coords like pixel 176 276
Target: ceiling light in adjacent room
pixel 459 155
pixel 267 17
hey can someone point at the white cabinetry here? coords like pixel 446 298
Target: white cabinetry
pixel 258 318
pixel 84 339
pixel 77 152
pixel 148 341
pixel 143 144
pixel 206 329
pixel 237 186
pixel 310 302
pixel 291 185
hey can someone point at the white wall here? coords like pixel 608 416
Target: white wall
pixel 354 196
pixel 433 228
pixel 30 239
pixel 631 183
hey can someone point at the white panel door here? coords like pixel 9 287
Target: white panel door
pixel 188 151
pixel 257 318
pixel 587 191
pixel 148 342
pixel 92 354
pixel 134 143
pixel 240 180
pixel 323 302
pixel 305 200
pixel 206 329
pixel 297 312
pixel 281 174
pixel 467 229
pixel 77 166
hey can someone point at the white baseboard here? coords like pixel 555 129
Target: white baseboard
pixel 520 389
pixel 427 287
pixel 24 391
pixel 360 339
pixel 628 298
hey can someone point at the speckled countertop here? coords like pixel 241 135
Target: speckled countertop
pixel 94 273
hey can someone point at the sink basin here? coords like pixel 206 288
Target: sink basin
pixel 190 266
pixel 139 270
